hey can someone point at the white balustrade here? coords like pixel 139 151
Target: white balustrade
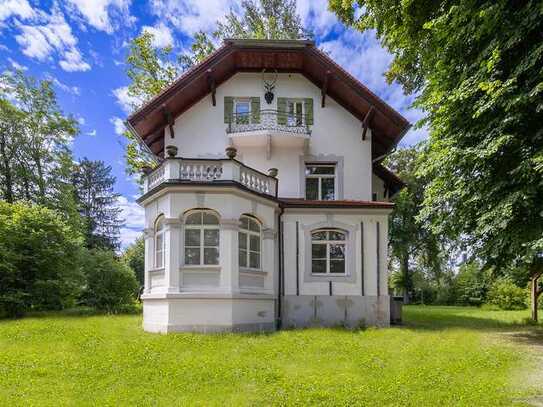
pixel 209 171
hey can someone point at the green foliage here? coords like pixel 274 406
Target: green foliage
pixel 134 257
pixel 73 360
pixel 38 260
pixel 477 69
pixel 506 295
pixel 110 283
pixel 471 284
pixel 97 204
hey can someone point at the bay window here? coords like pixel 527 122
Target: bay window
pixel 202 238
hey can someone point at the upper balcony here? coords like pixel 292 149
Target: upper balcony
pixel 199 171
pixel 268 127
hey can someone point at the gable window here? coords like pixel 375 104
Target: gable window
pixel 320 182
pixel 328 251
pixel 159 243
pixel 249 243
pixel 295 109
pixel 242 110
pixel 202 238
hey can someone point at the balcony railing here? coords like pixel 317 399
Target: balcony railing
pixel 271 120
pixel 210 171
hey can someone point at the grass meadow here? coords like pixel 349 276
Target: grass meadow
pixel 441 356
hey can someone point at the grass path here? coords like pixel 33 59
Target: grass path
pixel 442 356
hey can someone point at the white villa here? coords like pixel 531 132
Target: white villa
pixel 268 206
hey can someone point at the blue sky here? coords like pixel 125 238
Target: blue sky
pixel 81 46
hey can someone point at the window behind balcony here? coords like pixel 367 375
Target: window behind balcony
pixel 242 110
pixel 320 182
pixel 295 111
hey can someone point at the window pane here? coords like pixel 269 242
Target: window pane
pixel 327 189
pixel 318 251
pixel 210 219
pixel 242 240
pixel 254 243
pixel 242 107
pixel 318 235
pixel 192 237
pixel 211 237
pixel 211 255
pixel 318 266
pixel 194 219
pixel 254 260
pixel 337 251
pixel 337 266
pixel 337 235
pixel 242 258
pixel 244 223
pixel 254 226
pixel 159 242
pixel 159 260
pixel 192 255
pixel 312 188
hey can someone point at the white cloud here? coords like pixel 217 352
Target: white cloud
pixel 91 133
pixel 191 16
pixel 50 35
pixel 104 15
pixel 128 103
pixel 74 90
pixel 15 8
pixel 134 220
pixel 162 35
pixel 316 17
pixel 17 65
pixel 118 124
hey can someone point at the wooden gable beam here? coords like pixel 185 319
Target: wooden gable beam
pixel 212 86
pixel 324 88
pixel 366 121
pixel 169 119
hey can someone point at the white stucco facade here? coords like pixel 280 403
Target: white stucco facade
pixel 284 290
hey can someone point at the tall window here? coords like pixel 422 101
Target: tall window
pixel 159 242
pixel 295 112
pixel 320 182
pixel 242 109
pixel 249 243
pixel 328 252
pixel 201 238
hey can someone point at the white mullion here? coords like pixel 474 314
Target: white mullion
pixel 327 257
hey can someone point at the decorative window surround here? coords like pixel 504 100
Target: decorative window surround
pixel 323 159
pixel 350 275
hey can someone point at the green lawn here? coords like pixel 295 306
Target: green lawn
pixel 442 356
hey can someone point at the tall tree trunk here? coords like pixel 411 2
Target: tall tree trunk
pixel 535 291
pixel 404 267
pixel 8 180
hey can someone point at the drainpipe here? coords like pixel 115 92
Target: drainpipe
pixel 281 269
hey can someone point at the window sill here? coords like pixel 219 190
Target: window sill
pixel 253 271
pixel 158 270
pixel 329 275
pixel 200 268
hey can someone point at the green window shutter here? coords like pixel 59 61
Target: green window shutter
pixel 255 110
pixel 308 107
pixel 228 108
pixel 282 111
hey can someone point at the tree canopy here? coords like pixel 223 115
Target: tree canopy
pixel 477 69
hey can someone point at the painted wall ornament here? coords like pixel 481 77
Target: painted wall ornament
pixel 269 86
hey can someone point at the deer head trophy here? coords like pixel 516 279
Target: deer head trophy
pixel 269 86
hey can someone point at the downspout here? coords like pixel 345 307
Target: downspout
pixel 281 268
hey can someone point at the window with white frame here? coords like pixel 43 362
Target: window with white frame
pixel 328 251
pixel 159 242
pixel 320 182
pixel 242 110
pixel 249 243
pixel 201 238
pixel 295 112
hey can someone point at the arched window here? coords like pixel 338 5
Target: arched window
pixel 159 242
pixel 328 251
pixel 201 238
pixel 249 243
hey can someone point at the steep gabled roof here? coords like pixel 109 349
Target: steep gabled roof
pixel 292 56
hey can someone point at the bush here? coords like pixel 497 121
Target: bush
pixel 38 260
pixel 506 295
pixel 134 257
pixel 470 285
pixel 110 284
